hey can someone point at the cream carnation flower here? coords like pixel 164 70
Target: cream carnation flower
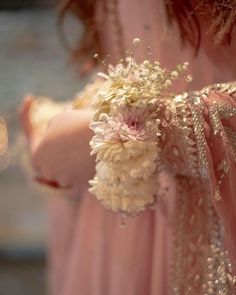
pixel 139 164
pixel 126 197
pixel 126 175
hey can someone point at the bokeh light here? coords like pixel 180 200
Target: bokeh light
pixel 5 155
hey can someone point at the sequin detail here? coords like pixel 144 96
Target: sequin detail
pixel 200 263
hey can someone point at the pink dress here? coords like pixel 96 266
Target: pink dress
pixel 90 253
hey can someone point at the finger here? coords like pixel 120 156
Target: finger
pixel 25 116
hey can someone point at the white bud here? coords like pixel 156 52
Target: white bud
pixel 136 42
pixel 189 78
pixel 103 117
pixel 174 75
pixel 168 83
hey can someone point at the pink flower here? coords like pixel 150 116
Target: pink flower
pixel 129 124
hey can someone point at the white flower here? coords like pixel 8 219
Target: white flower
pixel 125 197
pixel 126 175
pixel 122 151
pixel 126 166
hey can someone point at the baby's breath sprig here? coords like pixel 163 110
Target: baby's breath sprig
pixel 146 79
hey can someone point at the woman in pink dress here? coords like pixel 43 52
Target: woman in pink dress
pixel 177 248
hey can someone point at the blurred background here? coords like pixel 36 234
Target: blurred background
pixel 32 59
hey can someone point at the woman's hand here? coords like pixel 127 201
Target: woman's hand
pixel 61 153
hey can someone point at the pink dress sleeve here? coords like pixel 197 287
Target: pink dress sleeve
pixel 201 144
pixel 221 152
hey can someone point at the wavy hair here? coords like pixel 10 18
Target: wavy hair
pixel 221 15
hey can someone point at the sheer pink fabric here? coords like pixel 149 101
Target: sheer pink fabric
pixel 90 253
pixel 218 150
pixel 100 257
